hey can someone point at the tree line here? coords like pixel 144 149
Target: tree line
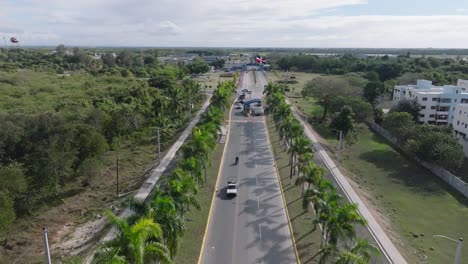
pixel 126 62
pixel 154 232
pixel 433 144
pixel 440 71
pixel 40 153
pixel 338 219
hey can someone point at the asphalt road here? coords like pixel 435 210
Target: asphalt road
pixel 252 227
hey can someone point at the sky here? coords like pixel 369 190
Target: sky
pixel 238 23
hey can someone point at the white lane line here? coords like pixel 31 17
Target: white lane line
pixel 260 226
pixel 258 203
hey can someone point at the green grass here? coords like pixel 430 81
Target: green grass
pixel 307 239
pixel 211 79
pixel 410 197
pixel 301 77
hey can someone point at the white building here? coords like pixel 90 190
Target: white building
pixel 460 125
pixel 437 102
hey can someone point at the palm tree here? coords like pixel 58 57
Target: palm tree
pixel 214 115
pixel 342 223
pixel 299 145
pixel 312 173
pixel 108 255
pixel 182 190
pixel 324 200
pixel 163 211
pixel 360 253
pixel 194 167
pixel 304 160
pixel 200 146
pixel 137 243
pixel 284 127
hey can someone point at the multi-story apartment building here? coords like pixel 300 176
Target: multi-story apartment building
pixel 460 125
pixel 437 102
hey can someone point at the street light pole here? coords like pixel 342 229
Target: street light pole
pixel 159 147
pixel 340 144
pixel 459 247
pixel 46 245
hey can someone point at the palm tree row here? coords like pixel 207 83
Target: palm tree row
pixel 336 218
pixel 154 232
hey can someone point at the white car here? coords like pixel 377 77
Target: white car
pixel 231 190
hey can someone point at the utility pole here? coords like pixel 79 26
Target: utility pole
pixel 459 247
pixel 190 105
pixel 117 174
pixel 458 252
pixel 159 147
pixel 46 245
pixel 341 146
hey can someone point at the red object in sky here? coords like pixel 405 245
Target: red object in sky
pixel 14 40
pixel 260 60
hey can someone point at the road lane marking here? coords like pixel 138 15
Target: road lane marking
pixel 260 227
pixel 258 203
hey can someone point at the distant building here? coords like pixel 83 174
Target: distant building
pixel 460 125
pixel 437 102
pixel 440 105
pixel 98 56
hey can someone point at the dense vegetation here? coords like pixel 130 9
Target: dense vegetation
pixel 55 129
pixel 434 144
pixel 154 232
pixel 440 71
pixel 337 218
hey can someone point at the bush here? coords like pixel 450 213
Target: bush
pixel 7 213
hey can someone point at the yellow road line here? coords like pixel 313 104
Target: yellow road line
pixel 216 188
pixel 282 194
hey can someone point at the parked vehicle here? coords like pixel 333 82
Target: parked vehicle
pixel 238 105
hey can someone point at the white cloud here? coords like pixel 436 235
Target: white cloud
pixel 265 23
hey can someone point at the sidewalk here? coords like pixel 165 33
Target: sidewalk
pixel 385 244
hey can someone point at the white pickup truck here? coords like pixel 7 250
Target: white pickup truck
pixel 231 190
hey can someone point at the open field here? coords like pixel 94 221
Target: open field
pixel 411 202
pixel 211 79
pixel 307 239
pixel 301 77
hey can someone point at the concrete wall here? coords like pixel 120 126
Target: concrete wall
pixel 452 180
